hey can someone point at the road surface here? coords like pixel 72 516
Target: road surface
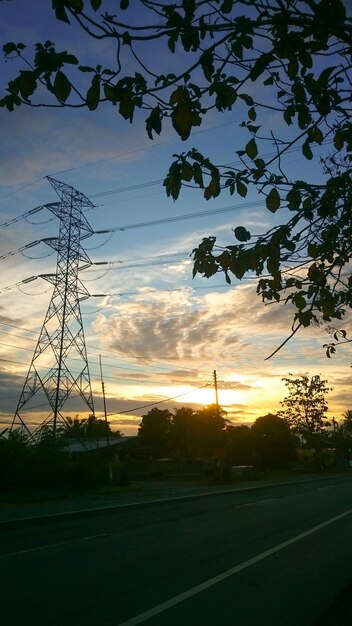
pixel 273 556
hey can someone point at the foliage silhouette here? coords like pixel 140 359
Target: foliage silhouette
pixel 189 433
pixel 273 442
pixel 90 427
pixel 305 406
pixel 155 431
pixel 241 445
pixel 298 57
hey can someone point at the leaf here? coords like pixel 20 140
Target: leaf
pixel 184 118
pixel 305 58
pixel 198 175
pixel 124 4
pixel 252 114
pixel 180 95
pixel 247 99
pixel 127 105
pixel 299 301
pixel 207 64
pixel 305 318
pixel 93 94
pixel 237 49
pixel 126 39
pixel 60 11
pixel 86 68
pixel 10 47
pixel 76 5
pixel 186 171
pixel 293 198
pixel 110 93
pixel 226 96
pixel 153 122
pixel 95 4
pixel 324 76
pixel 62 87
pixel 269 81
pixel 69 58
pixel 10 101
pixel 273 200
pixel 171 42
pixel 213 189
pixel 288 115
pixel 260 65
pixel 27 84
pixel 316 135
pixel 241 189
pixel 306 150
pixel 251 149
pixel 226 6
pixel 172 182
pixel 316 275
pixel 242 234
pixel 292 69
pixel 339 140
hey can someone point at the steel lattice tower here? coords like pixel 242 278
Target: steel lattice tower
pixel 59 365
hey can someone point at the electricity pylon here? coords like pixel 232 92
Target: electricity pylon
pixel 59 365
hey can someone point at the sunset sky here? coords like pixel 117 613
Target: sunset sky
pixel 160 333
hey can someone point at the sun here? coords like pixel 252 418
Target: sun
pixel 227 397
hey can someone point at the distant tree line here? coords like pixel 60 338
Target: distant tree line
pixel 44 465
pixel 187 434
pixel 88 428
pixel 273 441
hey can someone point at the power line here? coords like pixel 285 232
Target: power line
pixel 175 218
pixel 119 190
pixel 144 406
pixel 131 187
pixel 115 366
pixel 33 182
pixel 180 218
pixel 14 220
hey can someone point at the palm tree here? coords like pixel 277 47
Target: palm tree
pixel 347 422
pixel 75 428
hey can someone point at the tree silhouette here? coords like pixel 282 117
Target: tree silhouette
pixel 183 436
pixel 305 406
pixel 88 428
pixel 273 442
pixel 155 431
pixel 208 431
pixel 241 444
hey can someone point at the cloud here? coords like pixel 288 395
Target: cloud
pixel 187 326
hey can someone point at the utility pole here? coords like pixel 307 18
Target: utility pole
pixel 61 348
pixel 104 401
pixel 106 420
pixel 216 394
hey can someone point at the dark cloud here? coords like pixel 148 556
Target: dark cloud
pixel 234 385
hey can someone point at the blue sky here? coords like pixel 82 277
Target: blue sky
pixel 160 333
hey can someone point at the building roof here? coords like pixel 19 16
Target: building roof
pixel 89 445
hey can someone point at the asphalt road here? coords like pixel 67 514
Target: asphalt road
pixel 275 556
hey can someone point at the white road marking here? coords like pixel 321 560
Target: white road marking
pixel 242 506
pixel 164 606
pixel 327 487
pixel 54 545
